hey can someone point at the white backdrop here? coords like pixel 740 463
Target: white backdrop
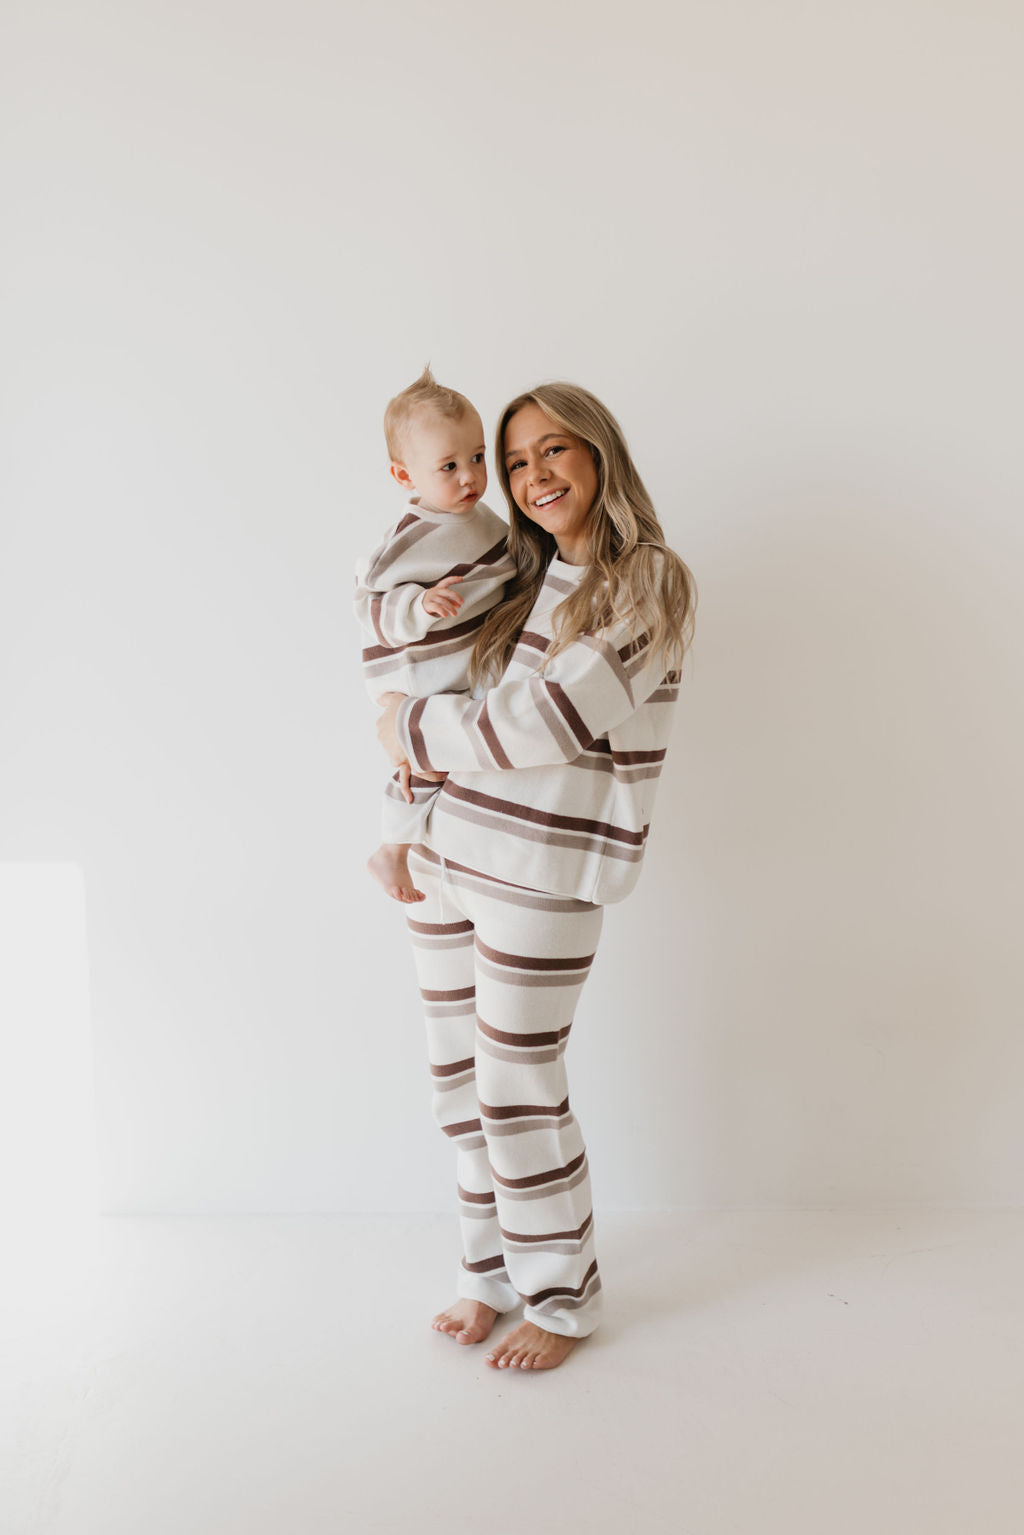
pixel 784 243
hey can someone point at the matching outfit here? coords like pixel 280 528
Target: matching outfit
pixel 407 649
pixel 541 822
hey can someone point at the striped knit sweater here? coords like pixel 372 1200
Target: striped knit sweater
pixel 408 650
pixel 552 772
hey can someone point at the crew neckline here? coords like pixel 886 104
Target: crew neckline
pixel 430 514
pixel 560 567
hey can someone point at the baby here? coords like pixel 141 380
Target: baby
pixel 419 629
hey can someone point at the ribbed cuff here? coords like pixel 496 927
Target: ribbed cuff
pixel 409 737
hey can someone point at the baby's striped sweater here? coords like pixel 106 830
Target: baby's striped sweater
pixel 407 649
pixel 552 774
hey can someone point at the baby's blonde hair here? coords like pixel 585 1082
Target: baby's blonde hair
pixel 425 394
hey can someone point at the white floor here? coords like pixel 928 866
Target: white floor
pixel 829 1373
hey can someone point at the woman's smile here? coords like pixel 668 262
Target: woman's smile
pixel 553 479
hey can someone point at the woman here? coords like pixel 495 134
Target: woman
pixel 541 823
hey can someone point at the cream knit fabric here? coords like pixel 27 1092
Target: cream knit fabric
pixel 553 772
pixel 407 650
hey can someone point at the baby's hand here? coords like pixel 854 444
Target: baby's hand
pixel 439 601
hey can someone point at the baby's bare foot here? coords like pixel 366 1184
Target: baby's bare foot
pixel 389 866
pixel 528 1347
pixel 468 1321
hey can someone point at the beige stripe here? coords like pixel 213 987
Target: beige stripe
pixel 521 1126
pixel 550 1236
pixel 563 1187
pixel 572 823
pixel 453 1083
pixel 531 833
pixel 406 536
pixel 517 978
pixel 556 725
pixel 499 889
pixel 520 1057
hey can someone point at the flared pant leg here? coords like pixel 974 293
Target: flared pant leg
pixel 501 970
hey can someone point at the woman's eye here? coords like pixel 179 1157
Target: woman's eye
pixel 556 447
pixel 517 465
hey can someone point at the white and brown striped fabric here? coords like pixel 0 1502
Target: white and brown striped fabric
pixel 406 649
pixel 553 771
pixel 500 971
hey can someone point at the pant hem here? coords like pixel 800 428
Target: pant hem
pixel 578 1327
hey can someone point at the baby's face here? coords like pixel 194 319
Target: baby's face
pixel 444 460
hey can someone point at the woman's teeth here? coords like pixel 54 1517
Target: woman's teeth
pixel 556 495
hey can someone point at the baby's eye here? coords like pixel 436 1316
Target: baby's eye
pixel 478 458
pixel 446 467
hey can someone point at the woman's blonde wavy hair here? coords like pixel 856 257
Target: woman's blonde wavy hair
pixel 633 574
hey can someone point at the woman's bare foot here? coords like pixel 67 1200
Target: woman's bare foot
pixel 389 865
pixel 528 1347
pixel 468 1321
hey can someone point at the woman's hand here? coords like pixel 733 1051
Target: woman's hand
pixel 388 738
pixel 386 734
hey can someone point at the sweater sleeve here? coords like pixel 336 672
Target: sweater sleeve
pixel 588 689
pixel 396 617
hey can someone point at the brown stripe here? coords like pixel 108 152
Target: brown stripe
pixel 512 1111
pixel 634 647
pixel 528 962
pixel 579 841
pixel 542 1295
pixel 485 1265
pixel 541 817
pixel 464 1127
pixel 419 749
pixel 408 533
pixel 475 1199
pixel 453 1069
pixel 537 1179
pixel 625 757
pixel 464 994
pixel 561 701
pixel 457 631
pixel 492 557
pixel 552 1236
pixel 533 641
pixel 547 1037
pixel 490 735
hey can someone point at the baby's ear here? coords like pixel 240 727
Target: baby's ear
pixel 401 475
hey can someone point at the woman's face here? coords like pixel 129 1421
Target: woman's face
pixel 553 479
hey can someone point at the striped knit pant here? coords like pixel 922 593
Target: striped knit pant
pixel 500 970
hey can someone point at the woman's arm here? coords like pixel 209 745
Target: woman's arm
pixel 586 690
